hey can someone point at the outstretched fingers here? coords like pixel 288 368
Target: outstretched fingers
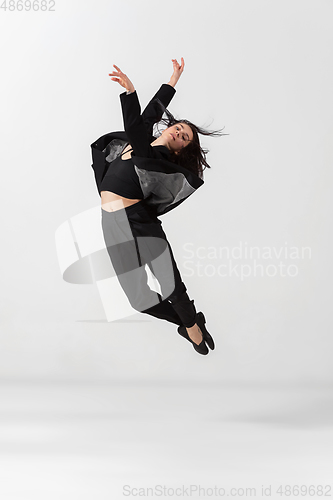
pixel 177 66
pixel 117 73
pixel 117 68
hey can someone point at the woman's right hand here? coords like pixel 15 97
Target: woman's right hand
pixel 177 71
pixel 122 79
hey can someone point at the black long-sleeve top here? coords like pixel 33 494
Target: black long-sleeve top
pixel 121 177
pixel 161 183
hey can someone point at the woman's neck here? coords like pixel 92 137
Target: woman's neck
pixel 160 141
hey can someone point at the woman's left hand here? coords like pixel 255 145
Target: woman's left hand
pixel 177 71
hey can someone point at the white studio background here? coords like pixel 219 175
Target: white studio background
pixel 261 69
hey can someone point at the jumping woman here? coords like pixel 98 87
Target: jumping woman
pixel 140 176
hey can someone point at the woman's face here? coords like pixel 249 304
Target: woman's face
pixel 178 136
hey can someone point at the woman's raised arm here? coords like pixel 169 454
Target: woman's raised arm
pixel 138 127
pixel 153 112
pixel 177 71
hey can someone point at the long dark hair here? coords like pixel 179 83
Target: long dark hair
pixel 192 156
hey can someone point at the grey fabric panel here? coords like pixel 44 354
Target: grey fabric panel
pixel 163 189
pixel 147 180
pixel 113 149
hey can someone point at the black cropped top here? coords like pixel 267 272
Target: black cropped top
pixel 122 179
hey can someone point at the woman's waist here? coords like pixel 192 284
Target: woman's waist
pixel 112 201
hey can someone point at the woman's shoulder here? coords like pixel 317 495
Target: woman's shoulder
pixel 163 151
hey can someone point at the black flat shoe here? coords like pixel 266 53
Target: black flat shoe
pixel 200 348
pixel 201 320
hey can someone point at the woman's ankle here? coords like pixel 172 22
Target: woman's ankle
pixel 195 333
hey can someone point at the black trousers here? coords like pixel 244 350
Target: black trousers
pixel 134 237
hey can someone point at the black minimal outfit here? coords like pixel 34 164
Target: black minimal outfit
pixel 133 235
